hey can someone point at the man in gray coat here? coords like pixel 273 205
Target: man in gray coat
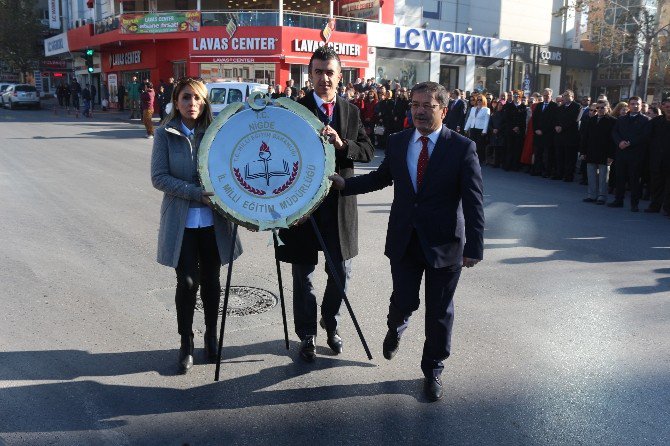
pixel 336 217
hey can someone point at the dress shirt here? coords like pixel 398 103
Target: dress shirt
pixel 414 150
pixel 197 217
pixel 320 102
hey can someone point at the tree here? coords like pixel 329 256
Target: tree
pixel 21 34
pixel 623 28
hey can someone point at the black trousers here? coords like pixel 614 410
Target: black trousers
pixel 199 266
pixel 660 186
pixel 543 151
pixel 566 160
pixel 441 283
pixel 628 170
pixel 514 148
pixel 480 142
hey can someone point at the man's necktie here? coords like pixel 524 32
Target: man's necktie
pixel 328 108
pixel 423 162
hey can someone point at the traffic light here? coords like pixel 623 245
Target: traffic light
pixel 88 57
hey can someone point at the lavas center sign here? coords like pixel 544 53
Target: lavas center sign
pixel 268 166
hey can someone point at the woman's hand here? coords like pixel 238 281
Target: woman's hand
pixel 206 200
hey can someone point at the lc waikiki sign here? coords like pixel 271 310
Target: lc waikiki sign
pixel 436 41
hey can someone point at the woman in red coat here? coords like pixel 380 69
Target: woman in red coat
pixel 368 115
pixel 527 151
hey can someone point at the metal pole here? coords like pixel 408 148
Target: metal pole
pixel 339 285
pixel 225 302
pixel 281 289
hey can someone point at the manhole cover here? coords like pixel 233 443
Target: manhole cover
pixel 244 301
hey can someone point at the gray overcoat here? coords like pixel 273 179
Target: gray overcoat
pixel 173 169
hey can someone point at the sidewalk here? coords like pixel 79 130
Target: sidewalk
pixel 52 106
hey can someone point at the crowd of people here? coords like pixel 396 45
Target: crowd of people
pixel 610 148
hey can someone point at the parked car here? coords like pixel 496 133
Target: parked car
pixel 21 94
pixel 224 93
pixel 3 87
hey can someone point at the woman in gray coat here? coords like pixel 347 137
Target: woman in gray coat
pixel 192 238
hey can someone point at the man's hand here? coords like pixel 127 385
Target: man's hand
pixel 333 137
pixel 610 161
pixel 515 129
pixel 495 131
pixel 338 181
pixel 558 129
pixel 538 132
pixel 206 200
pixel 624 145
pixel 469 263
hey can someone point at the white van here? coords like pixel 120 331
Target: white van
pixel 223 93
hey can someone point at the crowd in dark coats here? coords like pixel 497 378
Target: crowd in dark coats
pixel 621 150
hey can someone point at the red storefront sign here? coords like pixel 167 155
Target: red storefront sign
pixel 130 58
pixel 246 44
pixel 298 44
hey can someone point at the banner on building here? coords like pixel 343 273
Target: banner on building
pixel 161 22
pixel 359 9
pixel 54 14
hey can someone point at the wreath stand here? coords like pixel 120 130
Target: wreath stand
pixel 331 266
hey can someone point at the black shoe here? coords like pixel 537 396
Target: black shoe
pixel 651 210
pixel 634 208
pixel 589 200
pixel 211 348
pixel 334 340
pixel 615 204
pixel 432 387
pixel 186 354
pixel 391 344
pixel 308 348
pixel 601 202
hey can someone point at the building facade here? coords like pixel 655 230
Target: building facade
pixel 468 44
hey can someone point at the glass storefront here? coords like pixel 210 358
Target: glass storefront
pixel 406 67
pixel 488 75
pixel 263 73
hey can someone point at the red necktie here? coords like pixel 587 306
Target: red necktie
pixel 423 161
pixel 328 107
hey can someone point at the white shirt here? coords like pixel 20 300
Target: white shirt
pixel 414 150
pixel 320 102
pixel 200 217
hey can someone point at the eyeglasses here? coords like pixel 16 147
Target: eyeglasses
pixel 600 108
pixel 416 105
pixel 479 100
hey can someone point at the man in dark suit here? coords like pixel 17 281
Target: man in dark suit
pixel 436 225
pixel 336 217
pixel 659 157
pixel 455 119
pixel 567 137
pixel 630 136
pixel 544 118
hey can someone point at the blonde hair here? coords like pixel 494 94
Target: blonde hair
pixel 616 112
pixel 205 118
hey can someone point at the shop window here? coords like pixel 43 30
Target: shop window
pixel 449 77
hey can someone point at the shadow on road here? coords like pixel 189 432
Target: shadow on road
pixel 662 285
pixel 96 402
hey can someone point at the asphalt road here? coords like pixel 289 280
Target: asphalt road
pixel 561 334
